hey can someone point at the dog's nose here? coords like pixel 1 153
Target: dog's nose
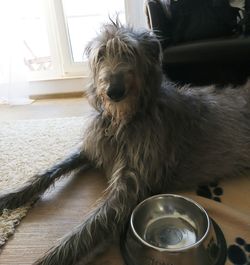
pixel 116 92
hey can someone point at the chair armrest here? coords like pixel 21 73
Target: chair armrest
pixel 212 51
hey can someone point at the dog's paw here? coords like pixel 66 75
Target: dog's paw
pixel 211 191
pixel 239 253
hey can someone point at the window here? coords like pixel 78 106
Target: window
pixel 42 56
pixel 55 32
pixel 79 22
pixel 83 21
pixel 37 56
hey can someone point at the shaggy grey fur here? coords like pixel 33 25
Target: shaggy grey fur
pixel 149 136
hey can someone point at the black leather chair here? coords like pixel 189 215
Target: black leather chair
pixel 217 60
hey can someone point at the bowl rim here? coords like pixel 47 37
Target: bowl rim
pixel 194 245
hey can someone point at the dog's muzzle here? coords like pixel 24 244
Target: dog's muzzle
pixel 116 90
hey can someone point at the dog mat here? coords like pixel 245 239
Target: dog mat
pixel 228 202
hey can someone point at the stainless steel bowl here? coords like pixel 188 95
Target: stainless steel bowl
pixel 172 230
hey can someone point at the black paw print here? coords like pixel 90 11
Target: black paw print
pixel 239 253
pixel 210 191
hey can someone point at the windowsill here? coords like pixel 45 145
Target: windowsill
pixel 57 78
pixel 58 84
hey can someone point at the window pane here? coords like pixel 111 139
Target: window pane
pixel 37 55
pixel 84 18
pixel 23 27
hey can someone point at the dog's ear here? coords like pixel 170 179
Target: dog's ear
pixel 151 47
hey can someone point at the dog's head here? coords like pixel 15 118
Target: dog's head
pixel 126 70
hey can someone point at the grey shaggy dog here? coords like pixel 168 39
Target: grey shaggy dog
pixel 148 136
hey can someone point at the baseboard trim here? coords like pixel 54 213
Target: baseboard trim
pixel 57 95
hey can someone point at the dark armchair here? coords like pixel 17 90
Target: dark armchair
pixel 208 52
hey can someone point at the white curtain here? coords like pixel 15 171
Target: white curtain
pixel 14 87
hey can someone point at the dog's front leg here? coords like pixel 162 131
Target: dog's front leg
pixel 102 225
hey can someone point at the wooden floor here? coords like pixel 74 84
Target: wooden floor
pixel 62 208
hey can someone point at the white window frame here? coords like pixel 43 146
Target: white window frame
pixel 70 68
pixel 59 42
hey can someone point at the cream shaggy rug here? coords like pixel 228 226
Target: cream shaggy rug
pixel 28 147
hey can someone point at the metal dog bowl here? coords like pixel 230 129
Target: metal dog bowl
pixel 172 230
